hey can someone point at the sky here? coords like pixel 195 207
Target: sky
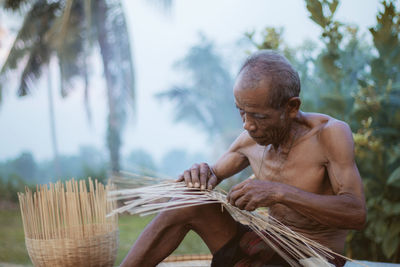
pixel 159 38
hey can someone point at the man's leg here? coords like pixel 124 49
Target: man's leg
pixel 163 235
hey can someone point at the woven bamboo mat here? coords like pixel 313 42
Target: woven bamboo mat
pixel 187 261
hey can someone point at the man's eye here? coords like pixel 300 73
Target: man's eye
pixel 260 116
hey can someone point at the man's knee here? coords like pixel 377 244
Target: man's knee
pixel 191 215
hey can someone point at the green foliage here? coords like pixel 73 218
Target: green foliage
pixel 322 13
pixel 344 59
pixel 386 40
pixel 319 9
pixel 378 157
pixel 271 38
pixel 10 187
pixel 374 115
pixel 394 178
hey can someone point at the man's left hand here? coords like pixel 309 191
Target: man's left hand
pixel 253 193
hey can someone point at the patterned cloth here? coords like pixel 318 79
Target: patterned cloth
pixel 247 249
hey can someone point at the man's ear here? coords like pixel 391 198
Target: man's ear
pixel 293 106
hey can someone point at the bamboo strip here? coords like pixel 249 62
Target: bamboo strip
pixel 170 195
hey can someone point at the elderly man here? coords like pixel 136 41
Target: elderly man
pixel 305 173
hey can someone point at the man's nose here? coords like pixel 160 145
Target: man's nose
pixel 248 124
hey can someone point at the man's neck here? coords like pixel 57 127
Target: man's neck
pixel 296 130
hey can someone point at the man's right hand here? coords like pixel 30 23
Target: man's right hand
pixel 199 176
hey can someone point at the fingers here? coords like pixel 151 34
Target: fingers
pixel 244 202
pixel 195 171
pixel 204 173
pixel 233 196
pixel 199 176
pixel 239 185
pixel 250 206
pixel 212 182
pixel 234 191
pixel 241 202
pixel 188 178
pixel 180 178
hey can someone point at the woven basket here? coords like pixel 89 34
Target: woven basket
pixel 66 225
pixel 99 250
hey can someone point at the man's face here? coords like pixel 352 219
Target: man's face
pixel 264 124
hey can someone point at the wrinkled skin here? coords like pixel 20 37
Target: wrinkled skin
pixel 305 173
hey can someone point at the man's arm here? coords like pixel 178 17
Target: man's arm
pixel 231 162
pixel 345 209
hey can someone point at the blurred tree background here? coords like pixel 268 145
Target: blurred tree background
pixel 345 75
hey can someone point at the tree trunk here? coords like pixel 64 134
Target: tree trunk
pixel 114 121
pixel 52 121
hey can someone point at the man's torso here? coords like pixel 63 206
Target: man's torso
pixel 302 166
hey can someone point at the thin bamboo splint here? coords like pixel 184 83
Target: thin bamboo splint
pixel 66 224
pixel 296 249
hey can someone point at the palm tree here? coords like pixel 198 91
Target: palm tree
pixel 206 101
pixel 67 29
pixel 30 44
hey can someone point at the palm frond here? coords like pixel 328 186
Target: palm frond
pixel 15 5
pixel 38 58
pixel 187 107
pixel 30 45
pixel 36 22
pixel 70 43
pixel 112 32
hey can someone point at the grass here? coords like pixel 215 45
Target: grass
pixel 13 250
pixel 12 240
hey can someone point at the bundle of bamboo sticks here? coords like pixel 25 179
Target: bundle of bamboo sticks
pixel 296 249
pixel 66 224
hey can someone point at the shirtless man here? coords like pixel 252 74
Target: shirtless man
pixel 304 167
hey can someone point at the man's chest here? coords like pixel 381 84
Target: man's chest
pixel 303 166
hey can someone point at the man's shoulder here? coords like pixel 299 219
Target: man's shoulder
pixel 327 126
pixel 243 141
pixel 334 135
pixel 335 129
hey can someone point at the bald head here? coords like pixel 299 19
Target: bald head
pixel 272 71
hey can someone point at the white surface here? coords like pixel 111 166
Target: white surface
pixel 370 264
